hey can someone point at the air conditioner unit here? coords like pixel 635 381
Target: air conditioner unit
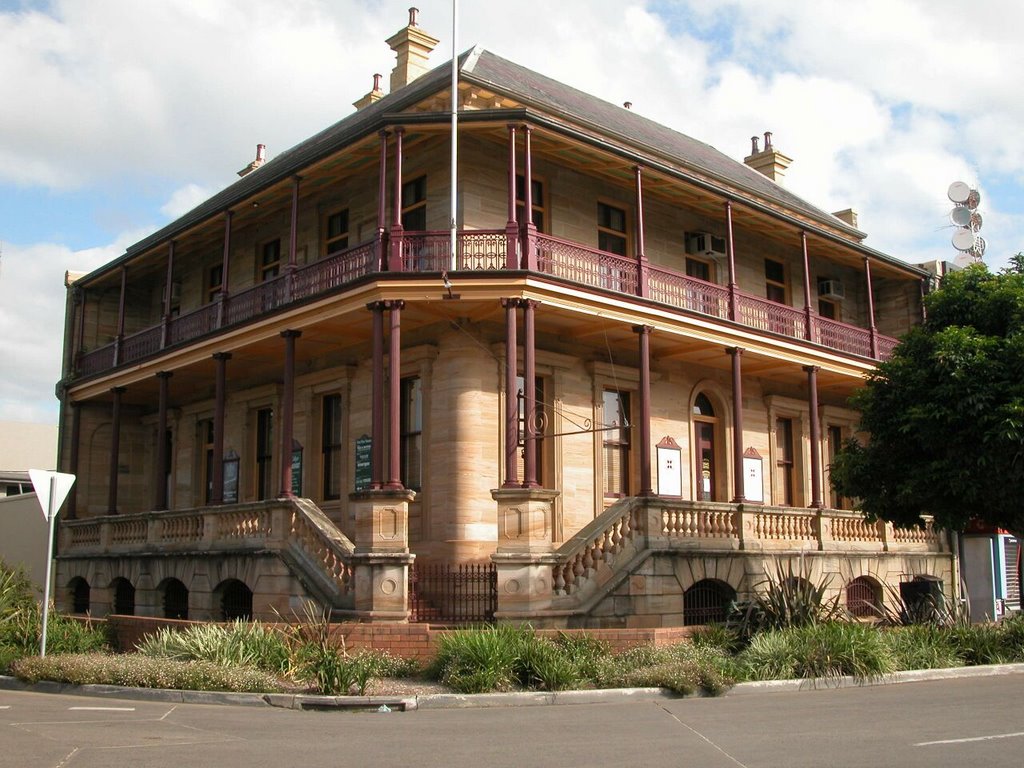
pixel 831 289
pixel 705 244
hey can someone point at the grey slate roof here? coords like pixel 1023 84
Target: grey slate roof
pixel 534 90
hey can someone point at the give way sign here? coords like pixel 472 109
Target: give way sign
pixel 51 489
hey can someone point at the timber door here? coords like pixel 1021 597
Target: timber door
pixel 705 470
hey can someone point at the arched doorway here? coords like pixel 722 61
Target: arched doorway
pixel 235 600
pixel 79 592
pixel 175 599
pixel 707 602
pixel 124 597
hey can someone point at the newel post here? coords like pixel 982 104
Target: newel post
pixel 525 553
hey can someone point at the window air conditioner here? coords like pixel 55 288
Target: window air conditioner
pixel 705 244
pixel 831 289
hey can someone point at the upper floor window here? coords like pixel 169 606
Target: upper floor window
pixel 540 421
pixel 611 229
pixel 270 260
pixel 411 424
pixel 775 281
pixel 616 443
pixel 536 202
pixel 336 233
pixel 214 282
pixel 331 445
pixel 414 205
pixel 700 269
pixel 827 308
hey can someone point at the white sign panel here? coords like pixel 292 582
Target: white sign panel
pixel 51 489
pixel 670 472
pixel 753 480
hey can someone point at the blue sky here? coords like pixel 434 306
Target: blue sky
pixel 121 115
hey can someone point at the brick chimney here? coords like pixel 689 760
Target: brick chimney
pixel 376 94
pixel 261 157
pixel 412 46
pixel 767 161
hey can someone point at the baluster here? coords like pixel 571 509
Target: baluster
pixel 558 579
pixel 616 537
pixel 588 559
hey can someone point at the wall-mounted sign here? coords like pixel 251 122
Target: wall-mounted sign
pixel 296 469
pixel 363 462
pixel 753 476
pixel 670 468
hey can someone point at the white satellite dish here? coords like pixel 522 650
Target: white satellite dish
pixel 963 239
pixel 973 199
pixel 960 216
pixel 959 192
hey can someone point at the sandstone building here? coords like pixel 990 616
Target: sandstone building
pixel 615 398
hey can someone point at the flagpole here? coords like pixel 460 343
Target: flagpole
pixel 455 134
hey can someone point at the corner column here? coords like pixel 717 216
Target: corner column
pixel 394 482
pixel 220 397
pixel 115 448
pixel 871 309
pixel 529 396
pixel 511 396
pixel 288 412
pixel 527 227
pixel 812 392
pixel 644 334
pixel 737 424
pixel 160 480
pixel 395 256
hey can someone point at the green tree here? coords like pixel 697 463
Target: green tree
pixel 945 414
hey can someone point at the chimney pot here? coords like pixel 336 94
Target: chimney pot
pixel 412 16
pixel 261 152
pixel 627 104
pixel 767 141
pixel 376 81
pixel 755 146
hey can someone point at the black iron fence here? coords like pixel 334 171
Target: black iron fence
pixel 453 594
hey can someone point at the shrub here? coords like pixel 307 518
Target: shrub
pixel 981 644
pixel 16 592
pixel 479 660
pixel 786 599
pixel 144 672
pixel 829 649
pixel 683 668
pixel 921 646
pixel 240 643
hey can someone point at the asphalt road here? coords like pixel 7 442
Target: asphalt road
pixel 961 722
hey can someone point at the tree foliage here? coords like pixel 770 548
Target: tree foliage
pixel 945 414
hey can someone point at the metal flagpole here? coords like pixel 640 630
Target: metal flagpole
pixel 455 132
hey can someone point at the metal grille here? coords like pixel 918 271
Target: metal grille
pixel 236 601
pixel 124 597
pixel 175 600
pixel 707 602
pixel 453 594
pixel 863 598
pixel 1011 553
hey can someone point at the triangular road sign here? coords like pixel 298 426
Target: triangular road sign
pixel 42 481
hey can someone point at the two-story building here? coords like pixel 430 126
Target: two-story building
pixel 591 361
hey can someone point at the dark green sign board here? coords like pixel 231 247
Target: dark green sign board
pixel 297 472
pixel 363 462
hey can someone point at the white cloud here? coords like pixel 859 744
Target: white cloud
pixel 184 200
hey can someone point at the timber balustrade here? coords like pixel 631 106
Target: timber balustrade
pixel 484 250
pixel 632 525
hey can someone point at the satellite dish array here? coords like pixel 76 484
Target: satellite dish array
pixel 966 218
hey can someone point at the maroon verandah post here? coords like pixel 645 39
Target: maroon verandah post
pixel 225 268
pixel 382 194
pixel 115 446
pixel 732 260
pixel 394 482
pixel 512 226
pixel 377 398
pixel 511 396
pixel 644 334
pixel 812 388
pixel 642 274
pixel 737 424
pixel 166 319
pixel 160 481
pixel 220 395
pixel 529 229
pixel 288 412
pixel 119 338
pixel 530 395
pixel 76 434
pixel 808 319
pixel 871 309
pixel 395 257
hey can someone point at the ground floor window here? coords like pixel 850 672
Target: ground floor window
pixel 264 453
pixel 863 597
pixel 616 443
pixel 235 601
pixel 124 597
pixel 707 602
pixel 175 599
pixel 79 589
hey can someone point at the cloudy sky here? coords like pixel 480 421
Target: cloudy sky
pixel 117 116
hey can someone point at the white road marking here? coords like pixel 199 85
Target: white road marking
pixel 103 709
pixel 975 738
pixel 5 707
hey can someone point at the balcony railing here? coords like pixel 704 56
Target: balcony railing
pixel 480 250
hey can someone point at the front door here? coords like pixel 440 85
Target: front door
pixel 705 461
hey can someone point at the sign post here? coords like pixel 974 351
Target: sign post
pixel 51 489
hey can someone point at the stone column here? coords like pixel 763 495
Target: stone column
pixel 525 554
pixel 511 396
pixel 382 559
pixel 160 479
pixel 288 412
pixel 737 425
pixel 115 448
pixel 812 395
pixel 220 397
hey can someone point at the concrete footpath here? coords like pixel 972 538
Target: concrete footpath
pixel 463 701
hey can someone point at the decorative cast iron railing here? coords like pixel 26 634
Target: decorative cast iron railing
pixel 479 250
